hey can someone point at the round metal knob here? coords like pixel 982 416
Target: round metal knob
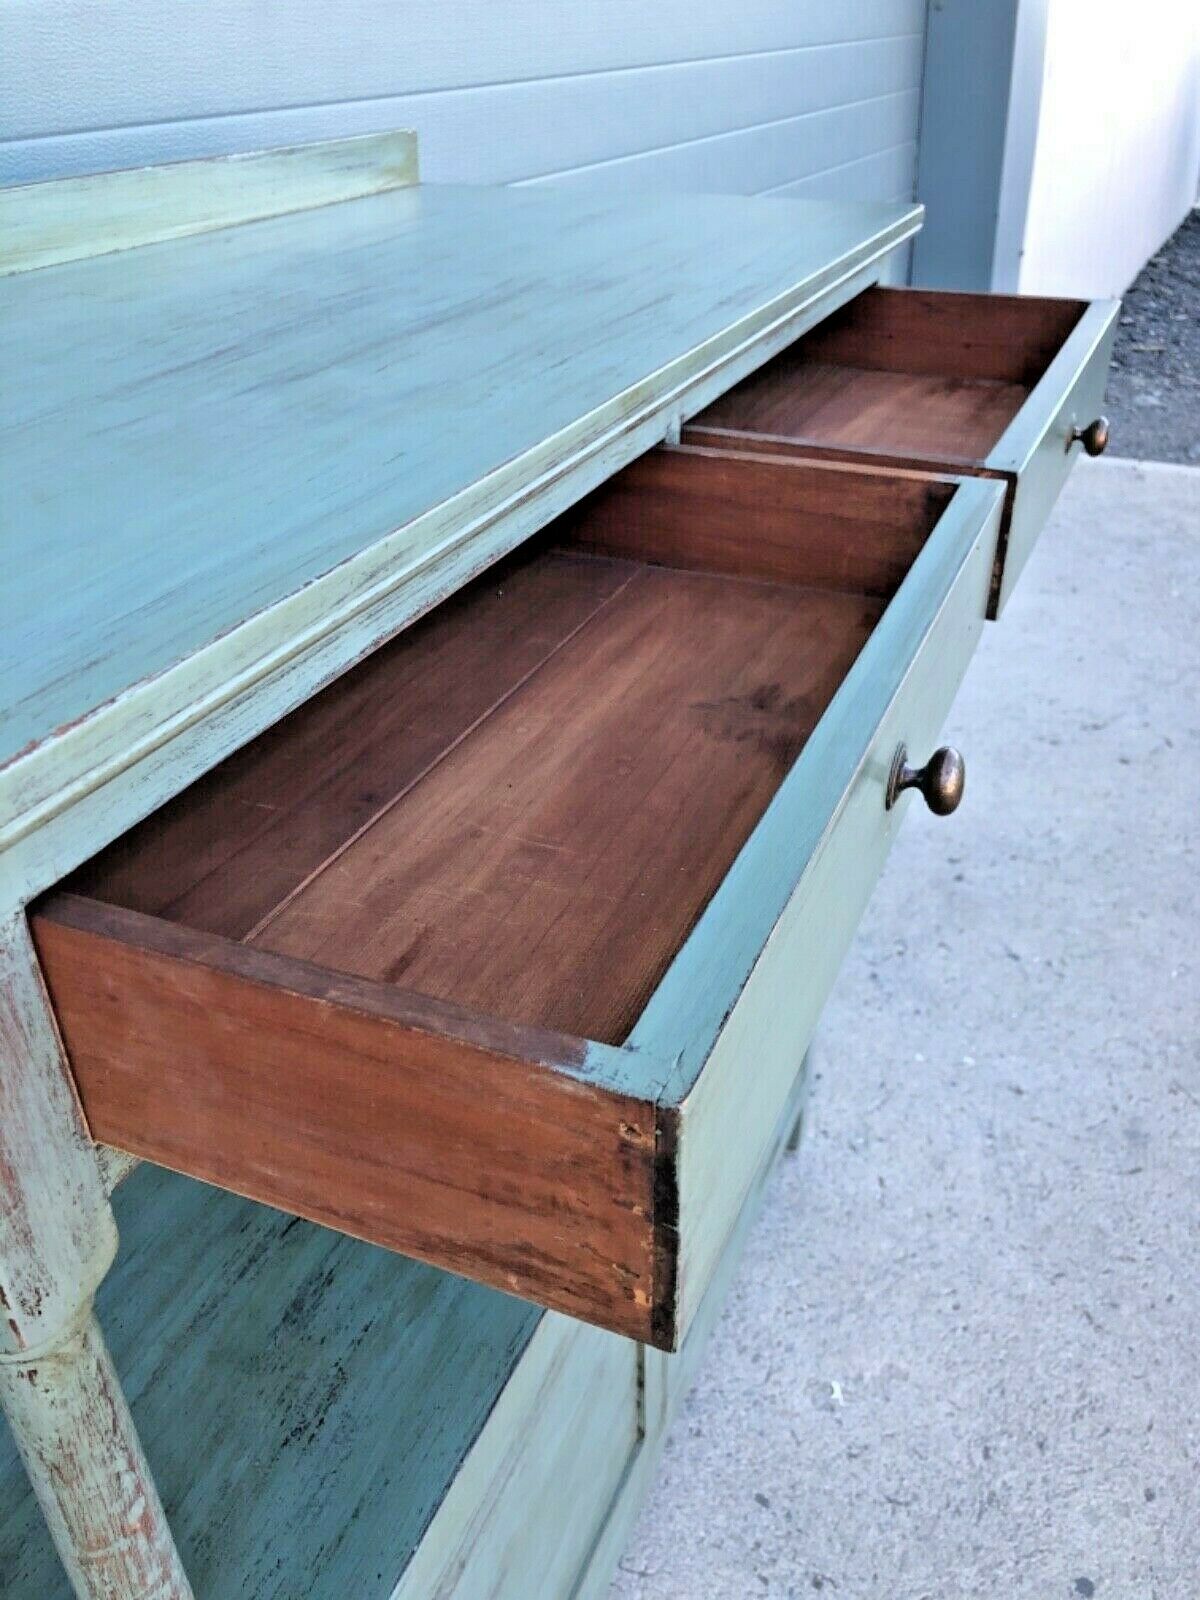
pixel 1093 438
pixel 941 780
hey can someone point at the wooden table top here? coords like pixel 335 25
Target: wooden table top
pixel 211 442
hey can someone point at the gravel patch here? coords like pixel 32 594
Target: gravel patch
pixel 1153 398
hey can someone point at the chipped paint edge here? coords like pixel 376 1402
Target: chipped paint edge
pixel 73 219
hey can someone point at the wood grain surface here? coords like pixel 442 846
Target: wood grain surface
pixel 550 866
pixel 910 416
pixel 458 1140
pixel 902 375
pixel 524 803
pixel 380 967
pixel 772 517
pixel 456 878
pixel 997 338
pixel 225 853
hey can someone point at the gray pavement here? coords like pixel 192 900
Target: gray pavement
pixel 1153 397
pixel 962 1357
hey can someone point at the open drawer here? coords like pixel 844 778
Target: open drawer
pixel 504 950
pixel 1003 386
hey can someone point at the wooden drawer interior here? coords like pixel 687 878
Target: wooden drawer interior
pixel 902 375
pixel 380 966
pixel 523 803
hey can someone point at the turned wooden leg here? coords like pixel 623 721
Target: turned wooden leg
pixel 57 1385
pixel 81 1451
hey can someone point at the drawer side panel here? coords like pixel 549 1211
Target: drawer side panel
pixel 476 1146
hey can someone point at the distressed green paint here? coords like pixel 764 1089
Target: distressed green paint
pixel 326 1418
pixel 287 428
pixel 305 1400
pixel 291 434
pixel 70 219
pixel 1036 446
pixel 666 1379
pixel 687 1011
pixel 730 1107
pixel 522 1515
pixel 296 436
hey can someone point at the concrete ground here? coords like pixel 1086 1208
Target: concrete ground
pixel 962 1357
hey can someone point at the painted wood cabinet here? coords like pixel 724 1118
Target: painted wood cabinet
pixel 474 651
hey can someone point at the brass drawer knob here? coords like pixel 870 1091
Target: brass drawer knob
pixel 941 780
pixel 1093 438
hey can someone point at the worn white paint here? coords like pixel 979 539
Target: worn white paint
pixel 769 95
pixel 57 1235
pixel 72 1427
pixel 58 1389
pixel 45 224
pixel 1117 161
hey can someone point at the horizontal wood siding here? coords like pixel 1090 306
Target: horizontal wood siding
pixel 769 96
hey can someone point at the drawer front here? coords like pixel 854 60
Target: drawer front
pixel 666 1379
pixel 1040 446
pixel 899 691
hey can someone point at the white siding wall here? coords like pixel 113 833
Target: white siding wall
pixel 791 97
pixel 1117 159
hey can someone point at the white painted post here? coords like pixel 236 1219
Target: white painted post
pixel 57 1384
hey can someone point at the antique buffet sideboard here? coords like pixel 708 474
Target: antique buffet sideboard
pixel 468 652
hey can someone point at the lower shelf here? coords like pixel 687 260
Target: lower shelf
pixel 326 1419
pixel 305 1400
